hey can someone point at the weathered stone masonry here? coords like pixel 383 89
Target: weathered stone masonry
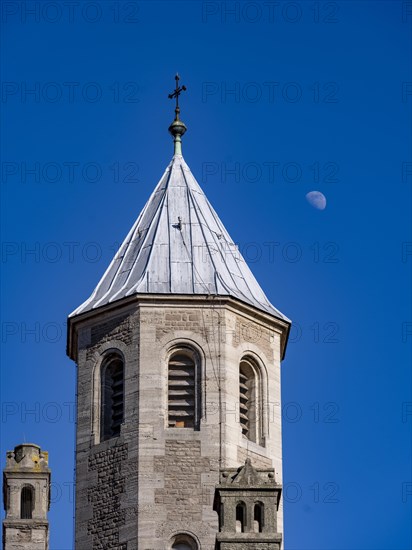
pixel 106 471
pixel 105 498
pixel 182 495
pixel 113 329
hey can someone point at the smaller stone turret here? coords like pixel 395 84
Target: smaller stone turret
pixel 26 497
pixel 247 500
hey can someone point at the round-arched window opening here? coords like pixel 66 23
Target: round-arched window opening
pixel 184 542
pixel 240 517
pixel 27 502
pixel 258 513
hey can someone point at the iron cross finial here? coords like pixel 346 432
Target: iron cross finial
pixel 177 128
pixel 177 91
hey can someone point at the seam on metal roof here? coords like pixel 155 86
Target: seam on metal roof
pixel 153 260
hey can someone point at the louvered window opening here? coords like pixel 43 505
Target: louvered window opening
pixel 244 399
pixel 181 392
pixel 112 399
pixel 26 504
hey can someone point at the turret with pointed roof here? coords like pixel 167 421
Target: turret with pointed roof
pixel 178 245
pixel 178 352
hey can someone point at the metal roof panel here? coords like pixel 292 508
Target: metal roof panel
pixel 178 245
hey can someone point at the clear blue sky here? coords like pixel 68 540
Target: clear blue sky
pixel 283 98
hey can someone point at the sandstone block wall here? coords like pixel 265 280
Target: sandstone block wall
pixel 28 536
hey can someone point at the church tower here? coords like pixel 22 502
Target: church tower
pixel 178 353
pixel 26 497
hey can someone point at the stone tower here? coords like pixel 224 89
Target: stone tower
pixel 178 352
pixel 26 496
pixel 247 501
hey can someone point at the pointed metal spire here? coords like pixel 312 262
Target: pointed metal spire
pixel 178 245
pixel 177 128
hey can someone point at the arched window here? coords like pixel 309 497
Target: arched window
pixel 112 396
pixel 240 517
pixel 250 406
pixel 258 517
pixel 183 389
pixel 184 542
pixel 26 502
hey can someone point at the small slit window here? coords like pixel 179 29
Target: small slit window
pixel 112 397
pixel 240 517
pixel 26 502
pixel 258 518
pixel 183 394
